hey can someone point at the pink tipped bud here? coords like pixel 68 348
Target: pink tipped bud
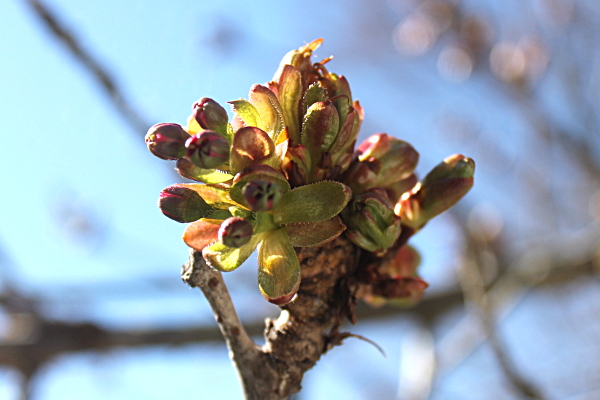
pixel 167 141
pixel 210 115
pixel 182 204
pixel 261 195
pixel 207 149
pixel 235 232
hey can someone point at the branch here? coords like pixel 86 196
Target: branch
pixel 243 351
pixel 93 66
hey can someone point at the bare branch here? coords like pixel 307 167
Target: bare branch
pixel 99 72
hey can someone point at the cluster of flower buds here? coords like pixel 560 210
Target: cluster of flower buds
pixel 284 173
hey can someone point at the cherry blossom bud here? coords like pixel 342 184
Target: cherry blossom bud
pixel 167 141
pixel 235 232
pixel 182 204
pixel 443 187
pixel 262 195
pixel 210 115
pixel 207 149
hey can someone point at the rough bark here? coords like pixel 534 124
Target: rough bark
pixel 306 329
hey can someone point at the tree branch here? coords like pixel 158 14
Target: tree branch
pixel 105 80
pixel 243 351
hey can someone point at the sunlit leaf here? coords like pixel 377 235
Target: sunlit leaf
pixel 246 112
pixel 278 268
pixel 310 203
pixel 200 234
pixel 226 258
pixel 191 171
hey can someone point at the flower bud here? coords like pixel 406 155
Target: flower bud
pixel 207 149
pixel 235 232
pixel 371 221
pixel 182 204
pixel 167 141
pixel 210 115
pixel 262 195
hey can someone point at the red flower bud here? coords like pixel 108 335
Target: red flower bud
pixel 261 195
pixel 182 204
pixel 235 232
pixel 167 141
pixel 207 149
pixel 210 115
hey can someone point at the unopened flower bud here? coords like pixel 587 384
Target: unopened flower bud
pixel 182 204
pixel 167 141
pixel 261 195
pixel 235 232
pixel 210 115
pixel 207 149
pixel 371 221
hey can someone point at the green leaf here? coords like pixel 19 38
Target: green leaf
pixel 189 170
pixel 306 234
pixel 226 258
pixel 320 128
pixel 310 203
pixel 290 92
pixel 315 92
pixel 278 268
pixel 246 111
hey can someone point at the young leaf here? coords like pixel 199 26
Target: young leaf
pixel 306 234
pixel 310 203
pixel 278 268
pixel 246 111
pixel 251 146
pixel 189 170
pixel 226 258
pixel 200 234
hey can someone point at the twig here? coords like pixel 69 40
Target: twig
pixel 473 285
pixel 91 63
pixel 243 351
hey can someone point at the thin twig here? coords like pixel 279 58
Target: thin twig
pixel 99 72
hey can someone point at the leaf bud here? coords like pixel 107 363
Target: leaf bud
pixel 235 232
pixel 398 158
pixel 443 187
pixel 371 221
pixel 207 149
pixel 167 141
